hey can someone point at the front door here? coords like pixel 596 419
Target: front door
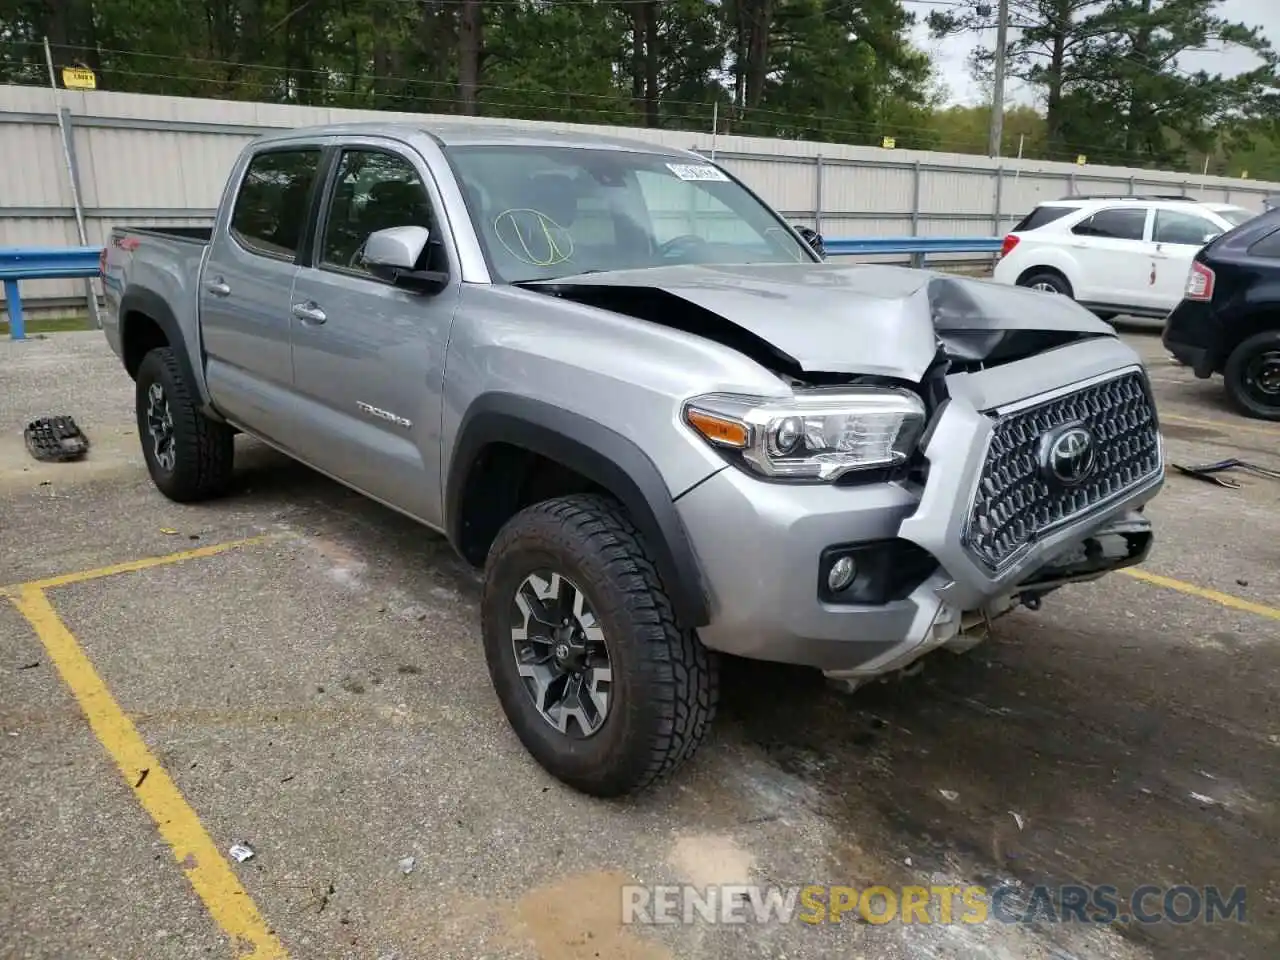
pixel 244 290
pixel 1115 261
pixel 1178 236
pixel 368 356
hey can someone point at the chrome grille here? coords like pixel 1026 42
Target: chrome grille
pixel 1015 503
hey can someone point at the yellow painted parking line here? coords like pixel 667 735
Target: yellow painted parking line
pixel 206 869
pixel 145 563
pixel 1224 425
pixel 1204 593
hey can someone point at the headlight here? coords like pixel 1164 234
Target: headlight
pixel 816 435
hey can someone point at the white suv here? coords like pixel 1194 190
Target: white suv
pixel 1114 255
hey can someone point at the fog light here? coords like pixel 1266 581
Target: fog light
pixel 842 573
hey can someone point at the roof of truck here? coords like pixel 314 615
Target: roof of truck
pixel 461 132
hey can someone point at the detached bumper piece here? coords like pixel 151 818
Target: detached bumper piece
pixel 1121 544
pixel 55 440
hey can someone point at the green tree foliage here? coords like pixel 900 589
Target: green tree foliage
pixel 1106 71
pixel 1107 74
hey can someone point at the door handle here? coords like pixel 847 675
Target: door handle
pixel 218 287
pixel 309 313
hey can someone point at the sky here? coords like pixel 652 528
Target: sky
pixel 949 55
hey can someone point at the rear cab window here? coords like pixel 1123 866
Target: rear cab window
pixel 1267 248
pixel 273 203
pixel 1114 223
pixel 1042 215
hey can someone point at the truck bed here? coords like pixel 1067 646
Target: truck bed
pixel 201 235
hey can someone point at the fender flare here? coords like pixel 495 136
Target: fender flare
pixel 600 454
pixel 146 302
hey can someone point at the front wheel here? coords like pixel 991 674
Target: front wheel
pixel 599 683
pixel 1252 376
pixel 188 455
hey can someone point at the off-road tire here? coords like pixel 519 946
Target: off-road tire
pixel 1236 368
pixel 1049 278
pixel 203 449
pixel 665 682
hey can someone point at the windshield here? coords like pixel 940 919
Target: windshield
pixel 548 212
pixel 1235 215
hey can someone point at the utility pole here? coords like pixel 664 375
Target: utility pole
pixel 997 92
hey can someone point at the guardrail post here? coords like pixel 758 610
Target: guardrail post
pixel 13 301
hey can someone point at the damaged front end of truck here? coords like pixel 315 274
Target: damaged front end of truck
pixel 1041 445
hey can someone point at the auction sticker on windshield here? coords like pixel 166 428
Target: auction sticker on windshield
pixel 696 171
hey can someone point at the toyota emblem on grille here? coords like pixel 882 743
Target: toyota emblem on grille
pixel 1068 455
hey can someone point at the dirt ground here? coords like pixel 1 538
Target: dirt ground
pixel 319 694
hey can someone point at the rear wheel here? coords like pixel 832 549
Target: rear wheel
pixel 1047 281
pixel 1252 376
pixel 599 683
pixel 188 455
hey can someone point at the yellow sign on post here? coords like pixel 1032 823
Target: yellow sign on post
pixel 1244 174
pixel 1081 159
pixel 79 78
pixel 889 143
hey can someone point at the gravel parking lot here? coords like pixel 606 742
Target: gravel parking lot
pixel 297 669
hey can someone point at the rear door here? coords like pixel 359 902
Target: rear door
pixel 244 288
pixel 1177 236
pixel 368 356
pixel 1115 265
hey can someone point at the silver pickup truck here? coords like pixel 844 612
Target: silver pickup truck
pixel 645 405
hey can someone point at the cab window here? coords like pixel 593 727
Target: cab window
pixel 373 190
pixel 1115 223
pixel 1174 226
pixel 272 203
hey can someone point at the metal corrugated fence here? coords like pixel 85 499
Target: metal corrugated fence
pixel 162 161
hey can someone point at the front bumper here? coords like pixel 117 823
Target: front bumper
pixel 759 544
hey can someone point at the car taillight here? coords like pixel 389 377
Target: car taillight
pixel 1009 243
pixel 1199 282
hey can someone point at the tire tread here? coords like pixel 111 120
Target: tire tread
pixel 683 674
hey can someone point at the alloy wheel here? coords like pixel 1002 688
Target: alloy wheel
pixel 561 653
pixel 160 427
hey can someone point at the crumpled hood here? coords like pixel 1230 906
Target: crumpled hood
pixel 844 318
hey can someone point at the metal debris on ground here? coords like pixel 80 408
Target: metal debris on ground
pixel 55 439
pixel 1207 471
pixel 406 865
pixel 241 852
pixel 1017 818
pixel 949 794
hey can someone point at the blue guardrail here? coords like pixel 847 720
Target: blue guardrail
pixel 56 263
pixel 912 245
pixel 40 263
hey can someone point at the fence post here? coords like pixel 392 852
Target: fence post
pixel 73 169
pixel 817 193
pixel 996 218
pixel 917 259
pixel 73 176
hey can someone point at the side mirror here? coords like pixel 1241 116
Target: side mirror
pixel 813 238
pixel 393 255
